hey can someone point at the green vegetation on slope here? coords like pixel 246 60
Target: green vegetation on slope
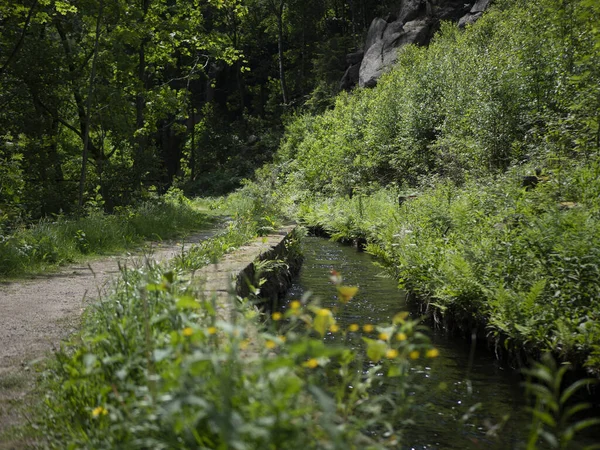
pixel 522 266
pixel 521 85
pixel 459 124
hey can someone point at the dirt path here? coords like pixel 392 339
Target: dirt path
pixel 36 314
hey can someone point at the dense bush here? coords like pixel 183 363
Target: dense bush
pixel 519 85
pixel 520 265
pixel 156 366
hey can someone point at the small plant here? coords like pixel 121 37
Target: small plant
pixel 82 243
pixel 555 411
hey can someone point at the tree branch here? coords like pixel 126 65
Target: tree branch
pixel 55 115
pixel 21 39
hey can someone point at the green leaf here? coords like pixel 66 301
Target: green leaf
pixel 568 392
pixel 155 287
pixel 394 371
pixel 187 302
pixel 545 417
pixel 586 423
pixel 323 320
pixel 376 349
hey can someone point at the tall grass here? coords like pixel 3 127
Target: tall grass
pixel 51 243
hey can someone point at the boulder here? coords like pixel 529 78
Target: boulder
pixel 382 53
pixel 480 6
pixel 411 10
pixel 474 13
pixel 451 10
pixel 375 32
pixel 354 58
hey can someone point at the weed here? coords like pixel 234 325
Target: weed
pixel 11 381
pixel 556 411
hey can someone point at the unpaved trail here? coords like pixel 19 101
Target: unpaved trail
pixel 36 314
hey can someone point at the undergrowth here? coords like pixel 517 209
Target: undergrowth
pixel 522 266
pixel 158 366
pixel 53 242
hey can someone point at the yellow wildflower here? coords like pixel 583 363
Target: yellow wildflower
pixel 311 363
pixel 99 411
pixel 282 338
pixel 270 344
pixel 400 317
pixel 414 354
pixel 295 305
pixel 368 328
pixel 391 353
pixel 324 312
pixel 244 344
pixel 432 353
pixel 188 331
pixel 383 336
pixel 211 330
pixel 400 336
pixel 276 316
pixel 346 293
pixel 334 328
pixel 353 328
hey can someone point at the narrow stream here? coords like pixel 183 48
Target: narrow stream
pixel 438 422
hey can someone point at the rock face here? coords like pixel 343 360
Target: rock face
pixel 382 53
pixel 414 22
pixel 474 13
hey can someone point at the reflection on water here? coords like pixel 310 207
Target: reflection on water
pixel 437 423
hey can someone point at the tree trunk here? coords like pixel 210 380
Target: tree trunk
pixel 140 101
pixel 86 132
pixel 279 13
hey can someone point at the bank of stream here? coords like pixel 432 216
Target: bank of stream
pixel 461 395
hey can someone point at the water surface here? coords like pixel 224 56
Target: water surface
pixel 469 379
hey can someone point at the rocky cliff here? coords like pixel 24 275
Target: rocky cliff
pixel 414 22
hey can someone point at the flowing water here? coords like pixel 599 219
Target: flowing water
pixel 470 376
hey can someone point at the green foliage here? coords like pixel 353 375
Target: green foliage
pixel 11 189
pixel 136 100
pixel 556 409
pixel 521 264
pixel 155 366
pixel 184 92
pixel 519 85
pixel 51 243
